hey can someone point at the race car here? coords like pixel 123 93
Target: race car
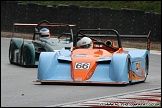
pixel 25 52
pixel 105 62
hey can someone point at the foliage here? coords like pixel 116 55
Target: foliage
pixel 147 6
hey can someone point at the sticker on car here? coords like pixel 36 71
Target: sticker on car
pixel 82 66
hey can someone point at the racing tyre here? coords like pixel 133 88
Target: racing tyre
pixel 146 67
pixel 22 56
pixel 26 59
pixel 43 83
pixel 11 54
pixel 129 69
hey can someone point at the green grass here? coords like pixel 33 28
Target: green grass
pixel 147 6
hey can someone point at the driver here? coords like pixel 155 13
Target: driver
pixel 85 42
pixel 45 32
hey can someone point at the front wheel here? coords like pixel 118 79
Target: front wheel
pixel 11 54
pixel 129 72
pixel 146 67
pixel 27 57
pixel 24 56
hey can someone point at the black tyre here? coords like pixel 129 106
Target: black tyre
pixel 146 67
pixel 129 73
pixel 23 61
pixel 11 54
pixel 46 83
pixel 25 56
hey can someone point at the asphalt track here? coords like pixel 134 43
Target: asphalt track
pixel 142 98
pixel 19 90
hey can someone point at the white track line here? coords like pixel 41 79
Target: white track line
pixel 119 99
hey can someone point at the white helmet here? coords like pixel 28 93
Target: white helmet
pixel 45 32
pixel 85 42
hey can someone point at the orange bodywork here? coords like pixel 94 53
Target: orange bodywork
pixel 134 76
pixel 84 62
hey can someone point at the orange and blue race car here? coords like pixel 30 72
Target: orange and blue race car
pixel 105 62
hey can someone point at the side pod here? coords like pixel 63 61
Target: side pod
pixel 45 61
pixel 119 68
pixel 51 68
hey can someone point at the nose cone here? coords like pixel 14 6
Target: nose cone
pixel 83 68
pixel 84 63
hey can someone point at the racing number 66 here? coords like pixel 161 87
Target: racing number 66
pixel 82 65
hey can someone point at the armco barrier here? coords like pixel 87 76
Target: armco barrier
pixel 124 21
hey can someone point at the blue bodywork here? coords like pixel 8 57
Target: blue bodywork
pixel 56 66
pixel 105 63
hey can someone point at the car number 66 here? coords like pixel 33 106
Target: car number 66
pixel 82 65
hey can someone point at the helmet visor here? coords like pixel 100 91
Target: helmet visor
pixel 44 35
pixel 86 46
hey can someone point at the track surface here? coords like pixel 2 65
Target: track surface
pixel 19 90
